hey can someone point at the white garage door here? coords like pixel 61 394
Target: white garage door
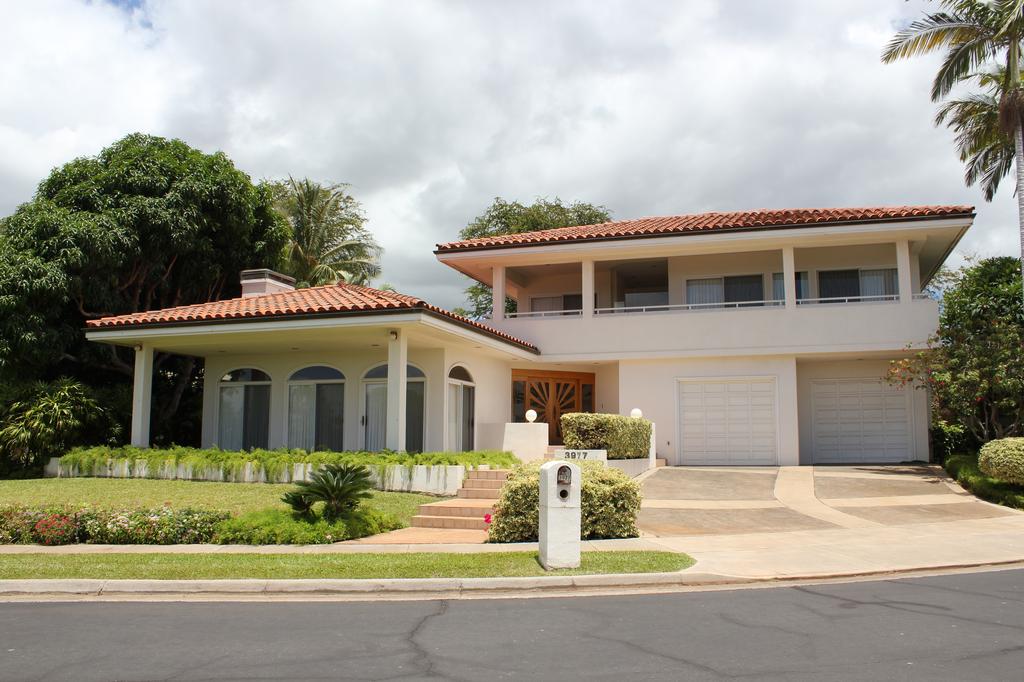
pixel 860 420
pixel 728 421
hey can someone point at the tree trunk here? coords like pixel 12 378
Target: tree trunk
pixel 1018 143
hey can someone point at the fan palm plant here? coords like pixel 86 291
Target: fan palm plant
pixel 976 34
pixel 341 487
pixel 329 242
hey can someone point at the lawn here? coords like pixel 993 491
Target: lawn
pixel 237 498
pixel 416 565
pixel 964 469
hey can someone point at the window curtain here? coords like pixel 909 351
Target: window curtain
pixel 376 416
pixel 543 304
pixel 879 282
pixel 256 432
pixel 704 291
pixel 779 293
pixel 839 284
pixel 232 406
pixel 455 417
pixel 744 288
pixel 301 416
pixel 330 417
pixel 414 416
pixel 468 417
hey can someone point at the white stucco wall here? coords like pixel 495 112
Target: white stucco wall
pixel 652 385
pixel 810 370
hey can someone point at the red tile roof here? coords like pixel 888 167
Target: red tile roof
pixel 334 299
pixel 707 222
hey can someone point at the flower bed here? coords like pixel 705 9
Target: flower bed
pixel 67 525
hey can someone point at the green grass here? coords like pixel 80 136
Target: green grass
pixel 417 565
pixel 964 469
pixel 236 498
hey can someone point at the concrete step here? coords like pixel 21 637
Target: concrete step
pixel 660 462
pixel 462 522
pixel 490 483
pixel 458 507
pixel 480 493
pixel 487 475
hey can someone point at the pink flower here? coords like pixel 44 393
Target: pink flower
pixel 487 518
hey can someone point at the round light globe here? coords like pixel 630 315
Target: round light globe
pixel 635 413
pixel 531 416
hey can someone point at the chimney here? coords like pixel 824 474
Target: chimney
pixel 264 281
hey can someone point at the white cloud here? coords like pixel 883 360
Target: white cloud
pixel 430 109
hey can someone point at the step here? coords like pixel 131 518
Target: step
pixel 487 474
pixel 490 483
pixel 449 522
pixel 457 507
pixel 660 462
pixel 480 493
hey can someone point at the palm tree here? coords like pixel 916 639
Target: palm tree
pixel 976 34
pixel 329 242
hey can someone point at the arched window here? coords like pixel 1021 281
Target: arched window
pixel 316 409
pixel 244 416
pixel 375 407
pixel 461 409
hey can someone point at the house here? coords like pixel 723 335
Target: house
pixel 749 338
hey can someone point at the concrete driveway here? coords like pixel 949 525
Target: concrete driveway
pixel 688 501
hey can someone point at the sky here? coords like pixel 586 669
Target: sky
pixel 431 109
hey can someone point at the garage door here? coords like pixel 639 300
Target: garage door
pixel 727 421
pixel 859 420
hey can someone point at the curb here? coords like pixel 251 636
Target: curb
pixel 439 587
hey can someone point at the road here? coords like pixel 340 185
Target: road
pixel 954 627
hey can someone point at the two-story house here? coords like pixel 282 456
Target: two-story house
pixel 749 338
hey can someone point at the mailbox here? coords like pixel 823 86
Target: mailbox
pixel 559 530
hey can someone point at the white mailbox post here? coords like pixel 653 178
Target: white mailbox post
pixel 559 531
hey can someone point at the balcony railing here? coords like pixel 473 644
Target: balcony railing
pixel 886 298
pixel 686 307
pixel 546 313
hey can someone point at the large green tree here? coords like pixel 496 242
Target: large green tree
pixel 974 366
pixel 977 36
pixel 329 241
pixel 512 217
pixel 147 223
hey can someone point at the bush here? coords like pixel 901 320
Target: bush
pixel 623 437
pixel 272 463
pixel 64 525
pixel 280 527
pixel 610 502
pixel 340 487
pixel 947 439
pixel 964 470
pixel 1003 459
pixel 44 419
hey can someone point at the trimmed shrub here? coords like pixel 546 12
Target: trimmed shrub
pixel 623 437
pixel 609 498
pixel 1003 459
pixel 64 525
pixel 280 527
pixel 964 470
pixel 272 463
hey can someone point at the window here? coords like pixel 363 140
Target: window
pixel 375 408
pixel 316 409
pixel 735 289
pixel 244 415
pixel 857 284
pixel 802 286
pixel 546 304
pixel 381 372
pixel 461 410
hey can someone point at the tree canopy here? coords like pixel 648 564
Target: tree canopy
pixel 513 217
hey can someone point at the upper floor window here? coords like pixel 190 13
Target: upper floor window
pixel 244 416
pixel 734 289
pixel 803 287
pixel 858 284
pixel 545 304
pixel 316 409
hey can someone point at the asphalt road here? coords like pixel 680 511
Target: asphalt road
pixel 958 627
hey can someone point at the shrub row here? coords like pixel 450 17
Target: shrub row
pixel 1003 459
pixel 623 437
pixel 965 471
pixel 610 502
pixel 272 463
pixel 280 527
pixel 66 525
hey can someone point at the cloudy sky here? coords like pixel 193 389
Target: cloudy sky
pixel 431 109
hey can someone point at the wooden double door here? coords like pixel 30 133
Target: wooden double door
pixel 551 394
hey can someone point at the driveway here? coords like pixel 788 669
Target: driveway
pixel 688 501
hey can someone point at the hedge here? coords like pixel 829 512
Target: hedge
pixel 623 437
pixel 1003 459
pixel 964 470
pixel 271 462
pixel 610 502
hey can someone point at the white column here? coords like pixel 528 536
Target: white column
pixel 903 270
pixel 498 292
pixel 588 288
pixel 789 276
pixel 142 395
pixel 398 357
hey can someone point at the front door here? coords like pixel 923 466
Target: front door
pixel 375 411
pixel 551 394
